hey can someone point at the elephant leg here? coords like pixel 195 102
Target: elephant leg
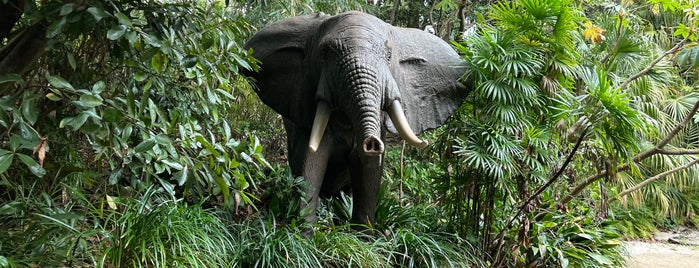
pixel 310 165
pixel 366 172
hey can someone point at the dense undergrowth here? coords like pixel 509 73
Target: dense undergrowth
pixel 131 139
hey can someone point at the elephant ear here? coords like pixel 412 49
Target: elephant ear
pixel 427 74
pixel 281 47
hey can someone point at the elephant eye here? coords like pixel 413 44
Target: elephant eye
pixel 413 60
pixel 388 51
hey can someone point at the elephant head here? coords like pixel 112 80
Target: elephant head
pixel 334 78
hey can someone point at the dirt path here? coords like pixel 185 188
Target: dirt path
pixel 671 249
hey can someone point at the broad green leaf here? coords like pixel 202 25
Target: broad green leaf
pixel 66 9
pixel 116 32
pixel 115 176
pixel 29 109
pixel 55 28
pixel 181 176
pixel 5 161
pixel 89 101
pixel 32 165
pixel 59 82
pixel 144 146
pixel 158 62
pixel 126 132
pixel 152 40
pixel 15 142
pixel 123 19
pixel 4 118
pixel 167 186
pixel 4 262
pixel 98 87
pixel 223 186
pixel 98 13
pixel 172 164
pixel 71 60
pixel 208 146
pixel 11 78
pixel 189 61
pixel 600 258
pixel 112 115
pixel 163 139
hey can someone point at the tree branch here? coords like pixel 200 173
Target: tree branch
pixel 639 157
pixel 678 151
pixel 674 49
pixel 654 178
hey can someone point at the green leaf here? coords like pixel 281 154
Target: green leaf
pixel 32 165
pixel 15 142
pixel 172 164
pixel 59 82
pixel 163 139
pixel 11 78
pixel 98 87
pixel 144 146
pixel 152 40
pixel 71 60
pixel 98 13
pixel 74 122
pixel 181 176
pixel 241 62
pixel 112 115
pixel 66 9
pixel 682 30
pixel 4 262
pixel 189 61
pixel 208 146
pixel 116 32
pixel 29 109
pixel 158 62
pixel 5 160
pixel 53 97
pixel 115 176
pixel 600 258
pixel 123 19
pixel 55 28
pixel 89 101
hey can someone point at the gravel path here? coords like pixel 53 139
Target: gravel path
pixel 671 249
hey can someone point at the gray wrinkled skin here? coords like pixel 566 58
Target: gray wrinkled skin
pixel 358 65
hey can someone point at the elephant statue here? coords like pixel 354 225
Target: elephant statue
pixel 334 80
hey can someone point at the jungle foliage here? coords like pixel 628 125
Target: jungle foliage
pixel 128 137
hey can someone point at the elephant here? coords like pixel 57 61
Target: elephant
pixel 340 82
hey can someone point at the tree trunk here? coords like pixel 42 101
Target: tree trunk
pixel 21 53
pixel 10 12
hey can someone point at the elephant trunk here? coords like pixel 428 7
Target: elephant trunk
pixel 365 95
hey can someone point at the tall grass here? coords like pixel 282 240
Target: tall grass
pixel 155 230
pixel 166 234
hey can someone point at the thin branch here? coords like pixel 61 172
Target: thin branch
pixel 654 178
pixel 541 189
pixel 616 42
pixel 674 49
pixel 678 151
pixel 639 157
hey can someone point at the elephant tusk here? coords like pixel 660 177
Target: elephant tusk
pixel 395 111
pixel 319 123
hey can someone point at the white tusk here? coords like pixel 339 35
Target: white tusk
pixel 319 123
pixel 395 111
